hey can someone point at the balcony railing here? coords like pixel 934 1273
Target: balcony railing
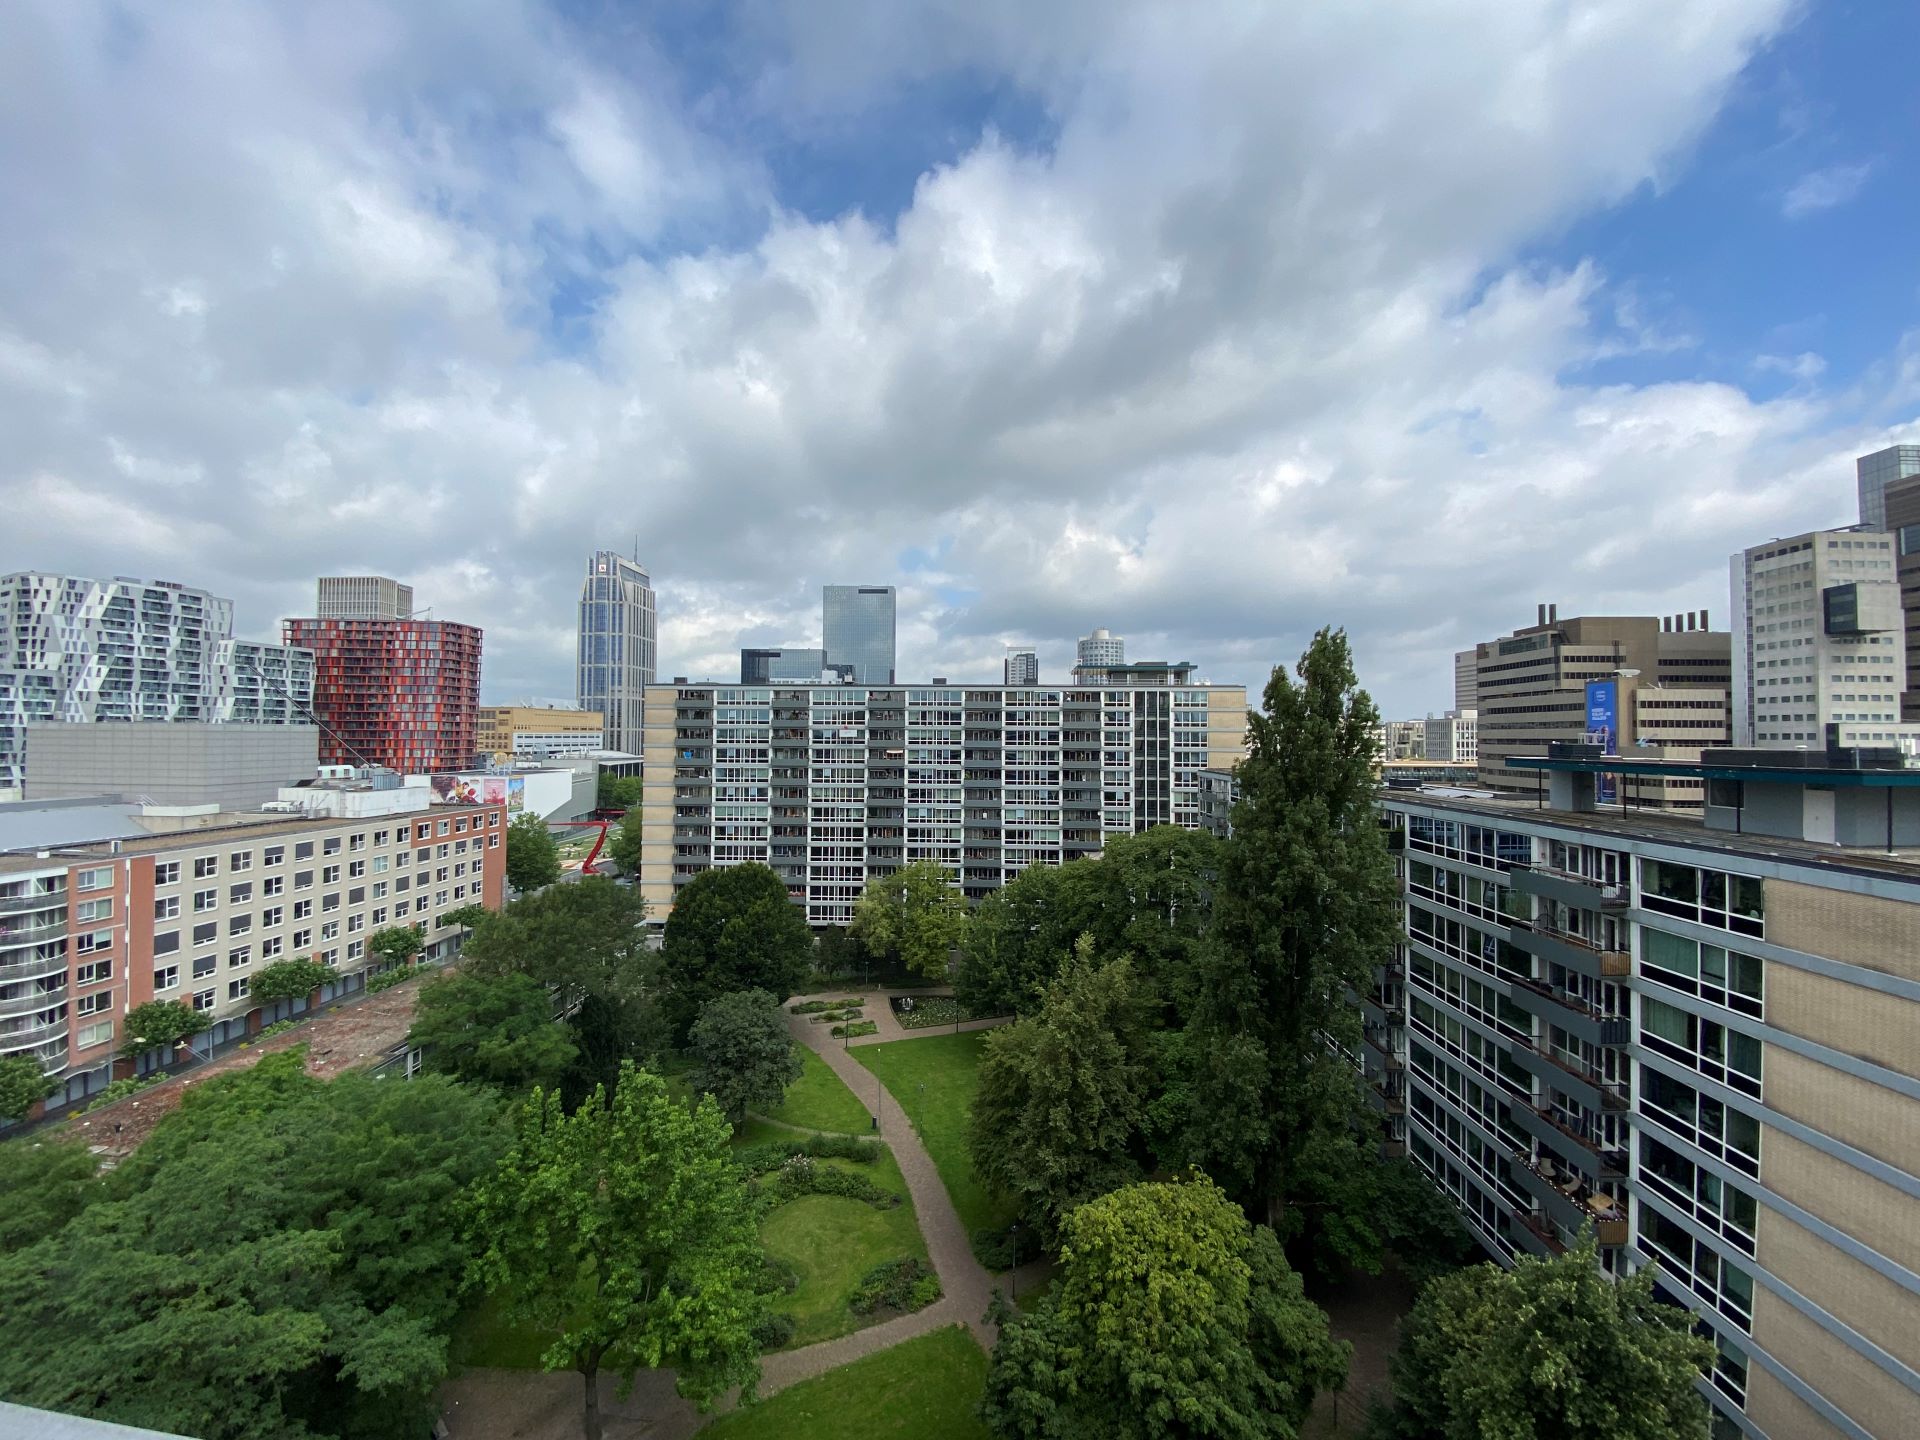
pixel 1607 962
pixel 17 904
pixel 33 934
pixel 30 1004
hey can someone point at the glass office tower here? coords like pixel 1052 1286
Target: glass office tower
pixel 1879 470
pixel 617 640
pixel 856 624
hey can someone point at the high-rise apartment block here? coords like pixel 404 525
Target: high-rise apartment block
pixel 1695 1037
pixel 535 732
pixel 1628 681
pixel 857 628
pixel 87 932
pixel 1875 472
pixel 1903 524
pixel 1466 688
pixel 835 785
pixel 83 651
pixel 398 693
pixel 1819 642
pixel 618 647
pixel 364 597
pixel 1021 666
pixel 1102 650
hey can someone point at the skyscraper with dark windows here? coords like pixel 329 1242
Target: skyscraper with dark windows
pixel 857 629
pixel 618 641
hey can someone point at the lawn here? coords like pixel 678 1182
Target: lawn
pixel 819 1101
pixel 831 1242
pixel 934 1079
pixel 925 1389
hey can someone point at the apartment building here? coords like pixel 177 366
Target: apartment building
pixel 84 651
pixel 1634 681
pixel 1903 524
pixel 535 732
pixel 363 597
pixel 1820 642
pixel 88 932
pixel 398 693
pixel 833 785
pixel 1694 1035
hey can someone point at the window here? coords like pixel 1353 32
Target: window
pixel 203 999
pixel 380 864
pixel 204 965
pixel 356 922
pixel 303 850
pixel 270 947
pixel 1726 977
pixel 94 910
pixel 302 909
pixel 1696 1191
pixel 239 924
pixel 272 917
pixel 357 842
pixel 330 930
pixel 167 872
pixel 493 842
pixel 93 1004
pixel 380 915
pixel 238 861
pixel 1723 1055
pixel 93 972
pixel 1707 897
pixel 240 894
pixel 206 934
pixel 440 852
pixel 166 979
pixel 98 879
pixel 302 939
pixel 273 885
pixel 356 949
pixel 356 869
pixel 379 889
pixel 357 895
pixel 382 837
pixel 240 957
pixel 237 989
pixel 98 1033
pixel 303 879
pixel 330 846
pixel 329 957
pixel 445 827
pixel 273 855
pixel 167 908
pixel 400 908
pixel 1720 1130
pixel 205 900
pixel 166 942
pixel 440 875
pixel 329 903
pixel 1699 1267
pixel 205 866
pixel 330 875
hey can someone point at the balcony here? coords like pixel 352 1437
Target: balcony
pixel 34 1003
pixel 14 935
pixel 12 972
pixel 18 904
pixel 1569 1074
pixel 1539 1237
pixel 1581 891
pixel 1569 1199
pixel 1576 952
pixel 42 1039
pixel 1581 1151
pixel 1570 1013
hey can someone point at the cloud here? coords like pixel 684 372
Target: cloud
pixel 1241 337
pixel 1806 366
pixel 1824 189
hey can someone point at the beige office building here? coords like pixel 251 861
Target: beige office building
pixel 536 732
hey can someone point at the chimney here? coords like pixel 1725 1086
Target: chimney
pixel 1703 621
pixel 1543 616
pixel 1553 614
pixel 1666 623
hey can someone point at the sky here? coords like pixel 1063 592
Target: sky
pixel 1208 324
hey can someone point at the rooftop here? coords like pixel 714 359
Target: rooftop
pixel 1784 767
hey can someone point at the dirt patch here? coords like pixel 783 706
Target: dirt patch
pixel 1366 1310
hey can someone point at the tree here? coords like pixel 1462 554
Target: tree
pixel 533 857
pixel 618 792
pixel 585 943
pixel 1173 1319
pixel 732 929
pixel 160 1023
pixel 1550 1348
pixel 623 844
pixel 1061 1111
pixel 289 980
pixel 275 1260
pixel 745 1052
pixel 623 1233
pixel 917 914
pixel 1307 906
pixel 465 917
pixel 491 1030
pixel 22 1086
pixel 43 1184
pixel 396 944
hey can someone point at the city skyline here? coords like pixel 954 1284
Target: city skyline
pixel 349 324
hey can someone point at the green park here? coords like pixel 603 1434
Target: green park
pixel 1109 1174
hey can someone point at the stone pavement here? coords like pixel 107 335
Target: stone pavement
pixel 878 1005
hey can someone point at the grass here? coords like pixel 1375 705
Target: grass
pixel 934 1079
pixel 925 1389
pixel 819 1100
pixel 831 1242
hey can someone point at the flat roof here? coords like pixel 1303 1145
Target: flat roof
pixel 1881 778
pixel 1666 828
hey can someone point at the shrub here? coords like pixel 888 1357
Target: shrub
pixel 120 1089
pixel 772 1330
pixel 798 1175
pixel 995 1249
pixel 856 1028
pixel 759 1159
pixel 826 1016
pixel 387 979
pixel 902 1285
pixel 279 1027
pixel 815 1007
pixel 776 1277
pixel 931 1010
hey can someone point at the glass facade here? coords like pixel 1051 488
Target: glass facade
pixel 617 646
pixel 857 629
pixel 1876 472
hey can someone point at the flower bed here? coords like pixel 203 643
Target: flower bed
pixel 815 1007
pixel 927 1011
pixel 898 1285
pixel 856 1028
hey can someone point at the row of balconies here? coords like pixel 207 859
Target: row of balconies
pixel 34 1002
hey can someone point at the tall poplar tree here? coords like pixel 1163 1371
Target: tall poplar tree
pixel 1306 908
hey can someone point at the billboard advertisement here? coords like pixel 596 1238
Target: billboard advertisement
pixel 1603 729
pixel 507 790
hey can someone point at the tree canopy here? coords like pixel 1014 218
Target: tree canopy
pixel 289 980
pixel 916 913
pixel 1173 1319
pixel 22 1086
pixel 732 929
pixel 494 1029
pixel 397 943
pixel 533 855
pixel 745 1052
pixel 43 1184
pixel 1552 1348
pixel 1061 1112
pixel 623 843
pixel 623 1234
pixel 1306 908
pixel 160 1022
pixel 275 1260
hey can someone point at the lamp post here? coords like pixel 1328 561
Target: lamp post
pixel 1013 1275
